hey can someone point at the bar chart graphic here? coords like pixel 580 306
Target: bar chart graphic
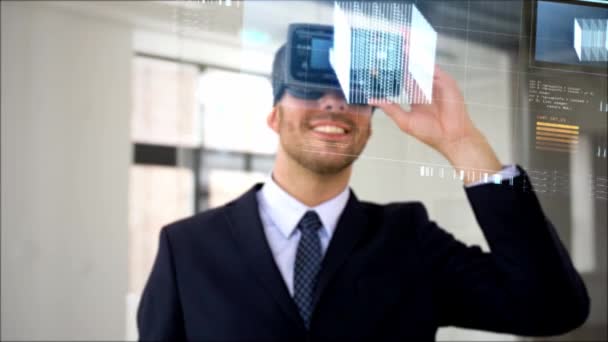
pixel 385 65
pixel 556 137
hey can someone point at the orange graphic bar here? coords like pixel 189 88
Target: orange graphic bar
pixel 556 135
pixel 555 144
pixel 552 149
pixel 549 124
pixel 547 129
pixel 572 141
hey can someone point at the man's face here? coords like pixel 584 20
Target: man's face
pixel 326 135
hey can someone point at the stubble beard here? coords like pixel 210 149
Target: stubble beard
pixel 328 159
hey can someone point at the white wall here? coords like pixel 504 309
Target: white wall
pixel 65 156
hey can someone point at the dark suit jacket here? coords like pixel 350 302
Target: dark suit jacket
pixel 388 273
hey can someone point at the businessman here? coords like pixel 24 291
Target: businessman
pixel 300 257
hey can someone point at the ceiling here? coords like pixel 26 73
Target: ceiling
pixel 254 29
pixel 222 21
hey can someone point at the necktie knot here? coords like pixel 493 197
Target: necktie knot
pixel 310 222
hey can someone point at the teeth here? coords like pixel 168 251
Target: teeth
pixel 330 129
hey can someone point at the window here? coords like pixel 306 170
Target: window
pixel 200 139
pixel 234 108
pixel 164 103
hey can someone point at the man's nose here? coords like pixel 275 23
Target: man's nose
pixel 333 101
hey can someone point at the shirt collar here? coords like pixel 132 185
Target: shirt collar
pixel 285 211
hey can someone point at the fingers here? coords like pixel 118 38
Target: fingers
pixel 387 106
pixel 437 72
pixel 445 89
pixel 394 111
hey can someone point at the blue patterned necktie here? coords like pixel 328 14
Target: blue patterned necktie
pixel 307 265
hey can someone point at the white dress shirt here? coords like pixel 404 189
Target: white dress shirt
pixel 280 213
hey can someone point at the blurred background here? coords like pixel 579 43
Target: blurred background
pixel 120 117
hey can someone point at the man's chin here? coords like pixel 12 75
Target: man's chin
pixel 328 162
pixel 322 159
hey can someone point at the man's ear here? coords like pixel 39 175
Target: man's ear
pixel 273 119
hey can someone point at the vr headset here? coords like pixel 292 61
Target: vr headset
pixel 306 65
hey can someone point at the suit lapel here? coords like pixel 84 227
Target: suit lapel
pixel 350 228
pixel 246 227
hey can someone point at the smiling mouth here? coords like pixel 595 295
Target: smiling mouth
pixel 330 129
pixel 331 133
